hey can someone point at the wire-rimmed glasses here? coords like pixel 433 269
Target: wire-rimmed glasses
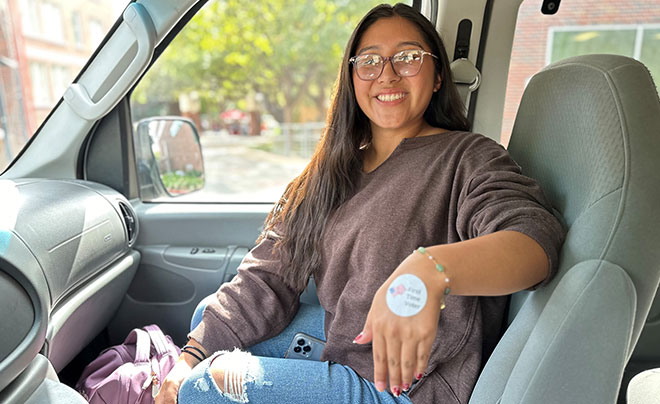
pixel 406 63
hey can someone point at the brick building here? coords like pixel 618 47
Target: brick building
pixel 177 153
pixel 628 27
pixel 13 119
pixel 44 43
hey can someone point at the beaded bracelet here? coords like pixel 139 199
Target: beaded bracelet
pixel 440 268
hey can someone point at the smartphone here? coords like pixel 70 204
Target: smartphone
pixel 304 346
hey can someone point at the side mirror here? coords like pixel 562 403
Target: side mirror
pixel 168 157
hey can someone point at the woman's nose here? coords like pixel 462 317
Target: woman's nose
pixel 388 75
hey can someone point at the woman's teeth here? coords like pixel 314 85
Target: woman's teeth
pixel 390 97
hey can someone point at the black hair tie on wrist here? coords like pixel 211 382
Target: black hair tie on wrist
pixel 193 354
pixel 199 353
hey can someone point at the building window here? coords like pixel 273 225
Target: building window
pixel 96 33
pixel 41 85
pixel 76 28
pixel 30 17
pixel 52 24
pixel 61 78
pixel 650 52
pixel 639 42
pixel 590 40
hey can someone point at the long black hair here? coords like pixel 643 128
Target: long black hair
pixel 331 176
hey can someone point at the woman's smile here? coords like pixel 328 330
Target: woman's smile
pixel 391 97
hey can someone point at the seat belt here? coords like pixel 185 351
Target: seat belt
pixel 466 76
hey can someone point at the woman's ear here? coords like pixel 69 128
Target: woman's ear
pixel 438 84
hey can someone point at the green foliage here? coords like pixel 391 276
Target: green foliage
pixel 266 146
pixel 288 50
pixel 177 183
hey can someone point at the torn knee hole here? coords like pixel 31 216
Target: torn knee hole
pixel 230 381
pixel 229 371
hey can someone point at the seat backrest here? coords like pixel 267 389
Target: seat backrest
pixel 588 129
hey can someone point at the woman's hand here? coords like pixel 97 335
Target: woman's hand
pixel 169 389
pixel 402 345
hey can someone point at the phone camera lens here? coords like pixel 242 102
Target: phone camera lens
pixel 307 348
pixel 297 349
pixel 301 342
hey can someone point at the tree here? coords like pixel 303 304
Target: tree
pixel 287 50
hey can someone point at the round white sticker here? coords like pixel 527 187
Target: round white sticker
pixel 406 295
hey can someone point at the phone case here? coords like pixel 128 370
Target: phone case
pixel 304 346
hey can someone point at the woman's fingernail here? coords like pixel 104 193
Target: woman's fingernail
pixel 406 386
pixel 396 390
pixel 358 338
pixel 418 376
pixel 381 386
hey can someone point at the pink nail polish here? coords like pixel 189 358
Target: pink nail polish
pixel 396 391
pixel 358 338
pixel 381 386
pixel 419 376
pixel 406 386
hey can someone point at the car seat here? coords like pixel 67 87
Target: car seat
pixel 644 388
pixel 588 129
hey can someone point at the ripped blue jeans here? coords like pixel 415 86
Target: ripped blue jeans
pixel 262 375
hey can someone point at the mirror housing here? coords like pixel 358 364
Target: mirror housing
pixel 168 157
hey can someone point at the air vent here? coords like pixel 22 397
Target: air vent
pixel 130 220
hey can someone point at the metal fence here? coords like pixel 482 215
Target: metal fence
pixel 298 139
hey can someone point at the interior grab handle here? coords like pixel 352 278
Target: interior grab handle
pixel 139 21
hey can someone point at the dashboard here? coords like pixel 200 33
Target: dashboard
pixel 66 262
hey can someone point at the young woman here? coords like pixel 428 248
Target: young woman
pixel 396 170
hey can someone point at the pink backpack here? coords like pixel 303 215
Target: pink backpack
pixel 130 373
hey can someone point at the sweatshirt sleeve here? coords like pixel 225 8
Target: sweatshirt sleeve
pixel 496 196
pixel 256 305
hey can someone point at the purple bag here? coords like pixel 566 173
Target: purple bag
pixel 130 373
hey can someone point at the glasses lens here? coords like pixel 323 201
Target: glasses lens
pixel 408 62
pixel 369 66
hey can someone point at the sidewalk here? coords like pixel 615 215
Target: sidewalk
pixel 237 171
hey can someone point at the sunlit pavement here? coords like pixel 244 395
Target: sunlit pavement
pixel 237 171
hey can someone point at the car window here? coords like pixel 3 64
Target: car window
pixel 43 46
pixel 256 80
pixel 630 28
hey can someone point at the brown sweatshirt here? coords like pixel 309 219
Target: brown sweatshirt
pixel 436 189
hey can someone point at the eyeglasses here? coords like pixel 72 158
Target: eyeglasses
pixel 406 63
